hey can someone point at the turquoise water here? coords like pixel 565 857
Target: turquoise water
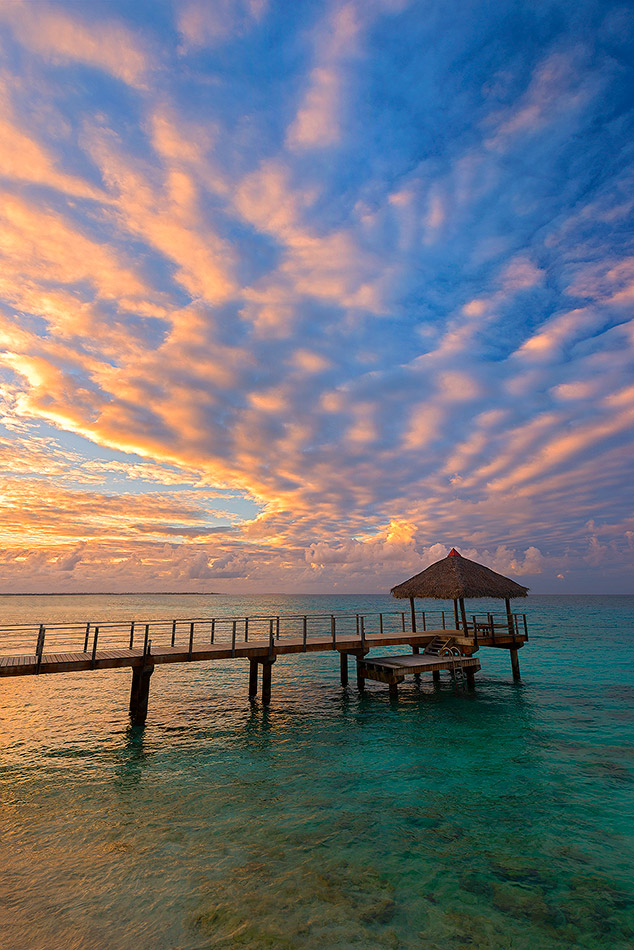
pixel 502 818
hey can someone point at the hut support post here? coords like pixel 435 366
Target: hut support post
pixel 509 617
pixel 515 663
pixel 343 662
pixel 413 613
pixel 470 678
pixel 455 614
pixel 436 676
pixel 393 688
pixel 253 679
pixel 464 617
pixel 139 693
pixel 360 676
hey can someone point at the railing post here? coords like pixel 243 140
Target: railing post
pixel 173 632
pixel 86 638
pixel 492 626
pixel 94 646
pixel 213 630
pixel 233 639
pixel 146 637
pixel 271 640
pixel 131 634
pixel 403 622
pixel 381 624
pixel 525 627
pixel 443 619
pixel 39 649
pixel 333 632
pixel 246 629
pixel 362 630
pixel 357 616
pixel 191 639
pixel 305 632
pixel 424 622
pixel 277 628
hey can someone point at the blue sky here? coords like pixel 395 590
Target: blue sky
pixel 299 296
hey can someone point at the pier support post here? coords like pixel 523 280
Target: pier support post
pixel 360 676
pixel 515 663
pixel 253 679
pixel 139 693
pixel 436 676
pixel 393 687
pixel 266 681
pixel 470 678
pixel 343 660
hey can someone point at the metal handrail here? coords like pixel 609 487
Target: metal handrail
pixel 183 634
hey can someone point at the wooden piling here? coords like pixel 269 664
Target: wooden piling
pixel 139 693
pixel 393 688
pixel 266 681
pixel 360 676
pixel 515 663
pixel 343 660
pixel 436 676
pixel 470 674
pixel 253 679
pixel 413 613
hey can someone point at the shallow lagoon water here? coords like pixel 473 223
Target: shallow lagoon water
pixel 502 818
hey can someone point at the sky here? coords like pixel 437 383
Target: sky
pixel 295 297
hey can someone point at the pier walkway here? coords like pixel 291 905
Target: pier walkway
pixel 143 646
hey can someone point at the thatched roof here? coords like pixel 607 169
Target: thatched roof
pixel 456 576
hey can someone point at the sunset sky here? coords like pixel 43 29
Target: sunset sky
pixel 294 296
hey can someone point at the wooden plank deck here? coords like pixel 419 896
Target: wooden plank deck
pixel 62 662
pixel 422 663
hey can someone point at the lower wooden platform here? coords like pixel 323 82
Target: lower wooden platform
pixel 393 669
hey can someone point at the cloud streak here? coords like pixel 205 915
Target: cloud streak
pixel 267 322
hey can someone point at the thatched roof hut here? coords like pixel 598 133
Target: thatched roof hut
pixel 454 577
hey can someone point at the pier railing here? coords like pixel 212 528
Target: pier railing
pixel 189 633
pixel 490 626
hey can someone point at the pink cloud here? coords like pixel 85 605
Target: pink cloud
pixel 60 37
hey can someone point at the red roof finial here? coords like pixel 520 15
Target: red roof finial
pixel 453 553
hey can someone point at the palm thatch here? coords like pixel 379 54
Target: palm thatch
pixel 456 577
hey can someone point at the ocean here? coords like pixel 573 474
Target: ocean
pixel 498 818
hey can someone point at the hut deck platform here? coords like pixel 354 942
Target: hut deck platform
pixel 386 668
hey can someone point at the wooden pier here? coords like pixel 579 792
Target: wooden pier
pixel 260 640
